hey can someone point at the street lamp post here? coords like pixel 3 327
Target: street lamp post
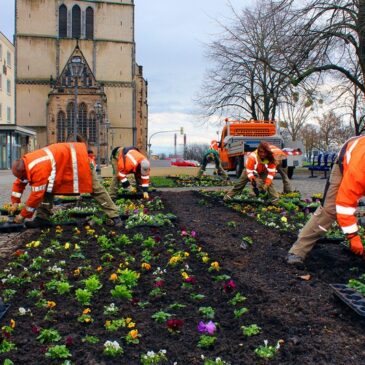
pixel 181 130
pixel 76 68
pixel 107 126
pixel 99 113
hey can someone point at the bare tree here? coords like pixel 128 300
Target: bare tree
pixel 195 151
pixel 310 137
pixel 239 83
pixel 329 31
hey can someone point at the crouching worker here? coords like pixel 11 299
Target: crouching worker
pixel 126 161
pixel 58 169
pixel 210 156
pixel 260 163
pixel 346 185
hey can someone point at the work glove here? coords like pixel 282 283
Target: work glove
pixel 19 219
pixel 13 208
pixel 356 245
pixel 145 195
pixel 255 188
pixel 215 172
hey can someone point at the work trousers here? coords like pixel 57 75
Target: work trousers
pixel 99 194
pixel 321 220
pixel 284 176
pixel 218 167
pixel 243 180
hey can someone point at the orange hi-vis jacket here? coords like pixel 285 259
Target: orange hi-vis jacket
pixel 61 168
pixel 254 164
pixel 352 186
pixel 128 162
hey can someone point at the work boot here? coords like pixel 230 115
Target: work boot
pixel 293 259
pixel 114 222
pixel 38 222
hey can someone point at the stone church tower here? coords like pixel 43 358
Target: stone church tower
pixel 107 101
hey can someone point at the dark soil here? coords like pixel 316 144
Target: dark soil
pixel 315 327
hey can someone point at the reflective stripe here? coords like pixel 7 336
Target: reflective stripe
pixel 37 161
pixel 348 153
pixel 124 180
pixel 74 168
pixel 39 188
pixel 145 185
pixel 29 209
pixel 17 195
pixel 322 228
pixel 129 155
pixel 345 210
pixel 269 177
pixel 350 229
pixel 52 176
pixel 145 177
pixel 25 181
pixel 271 170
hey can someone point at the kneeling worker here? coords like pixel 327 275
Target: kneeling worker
pixel 345 187
pixel 210 156
pixel 58 169
pixel 126 161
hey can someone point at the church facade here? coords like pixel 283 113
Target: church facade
pixel 76 72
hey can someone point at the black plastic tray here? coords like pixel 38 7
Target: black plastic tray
pixel 3 309
pixel 130 196
pixel 81 214
pixel 10 227
pixel 351 297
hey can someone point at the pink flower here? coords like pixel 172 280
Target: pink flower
pixel 184 233
pixel 229 286
pixel 193 234
pixel 208 328
pixel 36 330
pixel 159 283
pixel 190 280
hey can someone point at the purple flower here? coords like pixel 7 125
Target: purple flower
pixel 193 234
pixel 229 286
pixel 208 328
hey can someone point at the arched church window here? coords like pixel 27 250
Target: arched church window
pixel 70 119
pixel 61 127
pixel 92 127
pixel 76 22
pixel 62 21
pixel 89 33
pixel 82 127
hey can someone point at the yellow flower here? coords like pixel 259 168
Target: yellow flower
pixel 86 311
pixel 99 268
pixel 77 247
pixel 146 266
pixel 205 259
pixel 77 231
pixel 215 265
pixel 107 323
pixel 133 334
pixel 284 219
pixel 67 245
pixel 77 272
pixel 184 275
pixel 12 323
pixel 113 277
pixel 187 254
pixel 128 320
pixel 51 304
pixel 131 325
pixel 87 319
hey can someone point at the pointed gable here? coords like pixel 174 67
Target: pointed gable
pixel 87 80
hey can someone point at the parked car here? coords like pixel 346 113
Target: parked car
pixel 181 162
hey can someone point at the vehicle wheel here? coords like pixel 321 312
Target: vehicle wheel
pixel 239 166
pixel 290 171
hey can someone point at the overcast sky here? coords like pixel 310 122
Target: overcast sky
pixel 170 38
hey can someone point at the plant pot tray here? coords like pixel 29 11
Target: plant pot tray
pixel 81 214
pixel 8 227
pixel 351 297
pixel 130 196
pixel 331 240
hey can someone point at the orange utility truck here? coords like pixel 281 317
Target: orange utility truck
pixel 239 137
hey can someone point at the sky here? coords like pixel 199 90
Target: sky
pixel 170 36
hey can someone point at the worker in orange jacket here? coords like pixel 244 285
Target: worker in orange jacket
pixel 346 185
pixel 60 168
pixel 260 164
pixel 126 161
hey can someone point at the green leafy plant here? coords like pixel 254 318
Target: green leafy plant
pixel 114 324
pixel 207 312
pixel 175 306
pixel 90 339
pixel 161 316
pixel 206 341
pixel 238 298
pixel 197 296
pixel 6 346
pixel 152 358
pixel 111 309
pixel 123 240
pixel 149 242
pixel 240 312
pixel 122 292
pixel 232 224
pixel 58 352
pixel 48 335
pixel 128 277
pixel 105 243
pixel 138 238
pixel 251 330
pixel 112 348
pixel 83 296
pixel 267 351
pixel 92 284
pixel 63 287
